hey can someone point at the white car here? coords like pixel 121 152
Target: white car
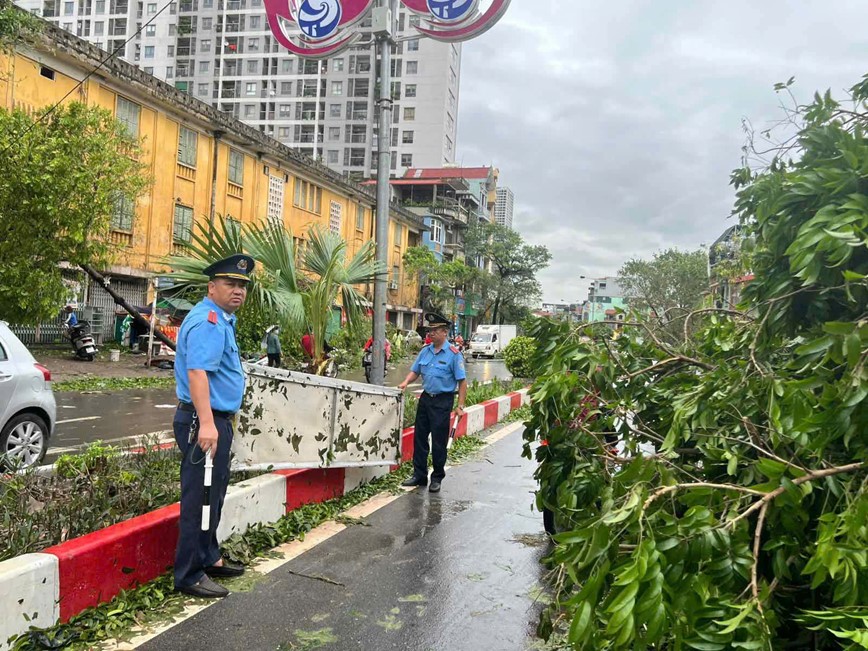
pixel 28 412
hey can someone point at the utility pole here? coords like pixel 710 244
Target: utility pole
pixel 383 19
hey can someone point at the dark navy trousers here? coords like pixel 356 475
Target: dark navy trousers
pixel 198 549
pixel 432 417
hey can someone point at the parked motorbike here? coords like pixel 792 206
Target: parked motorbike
pixel 367 363
pixel 82 340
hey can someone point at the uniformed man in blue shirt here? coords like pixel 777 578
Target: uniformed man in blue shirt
pixel 210 384
pixel 442 369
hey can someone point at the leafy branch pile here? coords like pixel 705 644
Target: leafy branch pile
pixel 711 486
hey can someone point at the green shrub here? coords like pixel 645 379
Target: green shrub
pixel 518 354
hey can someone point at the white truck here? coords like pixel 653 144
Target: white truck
pixel 490 340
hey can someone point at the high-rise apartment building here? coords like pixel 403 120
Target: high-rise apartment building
pixel 222 52
pixel 504 206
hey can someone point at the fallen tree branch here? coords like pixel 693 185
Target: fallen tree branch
pixel 798 481
pixel 316 577
pixel 757 543
pixel 712 309
pixel 660 492
pixel 670 360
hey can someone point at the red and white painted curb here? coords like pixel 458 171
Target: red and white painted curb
pixel 62 581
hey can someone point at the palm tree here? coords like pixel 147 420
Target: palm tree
pixel 279 291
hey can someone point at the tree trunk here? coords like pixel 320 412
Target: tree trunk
pixel 129 308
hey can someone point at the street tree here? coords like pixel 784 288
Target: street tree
pixel 667 286
pixel 515 264
pixel 62 174
pixel 297 296
pixel 732 513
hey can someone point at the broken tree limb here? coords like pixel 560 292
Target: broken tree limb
pixel 119 300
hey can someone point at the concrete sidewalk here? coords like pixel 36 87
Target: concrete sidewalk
pixel 455 570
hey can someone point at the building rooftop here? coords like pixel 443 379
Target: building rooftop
pixel 438 173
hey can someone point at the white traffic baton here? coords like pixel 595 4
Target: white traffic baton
pixel 452 432
pixel 206 496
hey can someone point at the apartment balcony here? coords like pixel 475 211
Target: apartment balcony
pixel 451 209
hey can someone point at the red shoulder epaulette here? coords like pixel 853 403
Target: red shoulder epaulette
pixel 212 317
pixel 454 349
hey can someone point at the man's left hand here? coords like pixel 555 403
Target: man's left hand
pixel 459 412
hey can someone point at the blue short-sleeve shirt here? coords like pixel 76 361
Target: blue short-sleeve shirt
pixel 206 342
pixel 441 370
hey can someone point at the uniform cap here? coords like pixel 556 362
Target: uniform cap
pixel 434 320
pixel 237 266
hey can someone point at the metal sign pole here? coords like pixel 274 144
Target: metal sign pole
pixel 384 17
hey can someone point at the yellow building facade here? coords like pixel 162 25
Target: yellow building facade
pixel 203 165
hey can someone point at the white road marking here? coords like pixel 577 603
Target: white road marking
pixel 286 553
pixel 76 420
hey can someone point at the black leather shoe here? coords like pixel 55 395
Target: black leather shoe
pixel 227 570
pixel 435 486
pixel 205 589
pixel 415 481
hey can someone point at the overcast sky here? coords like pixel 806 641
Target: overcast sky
pixel 617 122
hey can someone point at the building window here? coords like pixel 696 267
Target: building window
pixel 152 8
pixel 275 199
pixel 412 67
pixel 335 110
pixel 406 160
pixel 334 133
pixel 437 231
pixel 151 30
pixel 286 65
pixel 203 89
pixel 253 66
pixel 255 22
pixel 337 88
pixel 205 45
pixel 409 113
pixel 236 167
pixel 123 215
pixel 149 51
pixel 187 145
pixel 206 23
pixel 407 137
pixel 398 234
pixel 307 196
pixel 415 20
pixel 360 217
pixel 253 45
pixel 182 227
pixel 204 66
pixel 250 88
pixel 149 70
pixel 413 45
pixel 170 51
pixel 337 65
pixel 284 110
pixel 68 8
pixel 170 72
pixel 410 90
pixel 335 210
pixel 99 28
pixel 283 133
pixel 286 88
pixel 128 114
pixel 333 156
pixel 100 6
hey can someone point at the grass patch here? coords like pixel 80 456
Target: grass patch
pixel 114 383
pixel 157 601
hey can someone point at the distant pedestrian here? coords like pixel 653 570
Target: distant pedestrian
pixel 272 346
pixel 210 384
pixel 442 369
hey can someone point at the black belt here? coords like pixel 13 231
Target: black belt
pixel 437 395
pixel 186 406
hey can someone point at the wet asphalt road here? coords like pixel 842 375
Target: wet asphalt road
pixel 114 416
pixel 457 570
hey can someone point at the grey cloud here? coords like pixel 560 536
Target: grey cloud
pixel 617 124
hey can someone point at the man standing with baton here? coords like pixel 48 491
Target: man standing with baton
pixel 210 385
pixel 442 369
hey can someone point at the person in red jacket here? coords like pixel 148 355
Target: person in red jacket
pixel 370 343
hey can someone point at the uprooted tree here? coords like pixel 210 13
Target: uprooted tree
pixel 711 493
